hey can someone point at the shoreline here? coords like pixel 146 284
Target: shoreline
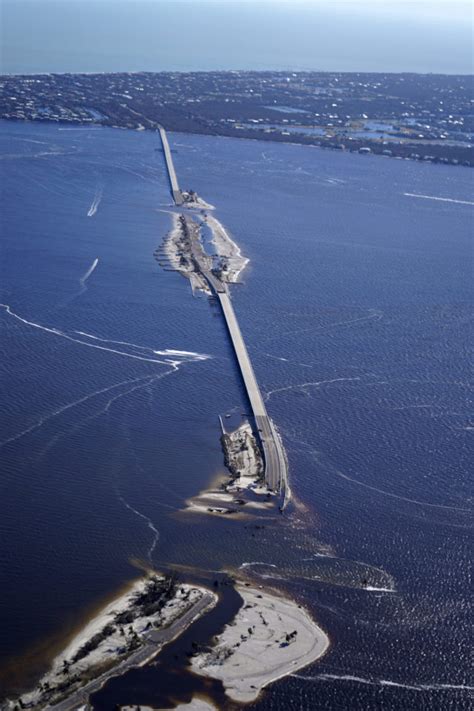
pixel 227 249
pixel 270 637
pixel 127 632
pixel 176 252
pixel 399 151
pixel 242 492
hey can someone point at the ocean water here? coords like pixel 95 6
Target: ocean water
pixel 201 35
pixel 356 308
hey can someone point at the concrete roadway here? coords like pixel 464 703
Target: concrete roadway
pixel 276 468
pixel 156 639
pixel 175 190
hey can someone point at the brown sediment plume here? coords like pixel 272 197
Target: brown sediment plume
pixel 241 493
pixel 143 565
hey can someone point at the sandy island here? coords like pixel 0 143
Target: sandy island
pixel 127 632
pixel 196 704
pixel 270 637
pixel 245 490
pixel 185 237
pixel 176 251
pixel 192 200
pixel 228 250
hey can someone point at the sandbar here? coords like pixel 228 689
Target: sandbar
pixel 270 637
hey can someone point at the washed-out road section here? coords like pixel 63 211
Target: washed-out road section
pixel 155 640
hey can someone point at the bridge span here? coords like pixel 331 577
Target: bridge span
pixel 275 462
pixel 276 474
pixel 175 189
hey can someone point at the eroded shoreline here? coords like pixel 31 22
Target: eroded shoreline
pixel 270 637
pixel 128 632
pixel 134 627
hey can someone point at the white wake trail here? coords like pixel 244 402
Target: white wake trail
pixel 439 199
pixel 150 525
pixel 286 360
pixel 302 386
pixel 374 314
pixel 143 383
pixel 402 498
pixel 86 276
pixel 66 407
pixel 174 362
pixel 95 202
pixel 384 682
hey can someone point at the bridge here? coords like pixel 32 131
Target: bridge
pixel 275 462
pixel 276 468
pixel 175 189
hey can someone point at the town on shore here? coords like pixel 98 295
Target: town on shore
pixel 422 117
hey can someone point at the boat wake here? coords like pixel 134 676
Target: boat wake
pixel 286 360
pixel 439 199
pixel 143 353
pixel 330 569
pixel 65 408
pixel 302 386
pixel 170 357
pixel 372 315
pixel 149 523
pixel 86 276
pixel 256 562
pixel 95 202
pixel 384 682
pixel 403 498
pixel 141 383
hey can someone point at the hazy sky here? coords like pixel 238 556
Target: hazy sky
pixel 134 35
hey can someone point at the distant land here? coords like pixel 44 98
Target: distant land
pixel 424 117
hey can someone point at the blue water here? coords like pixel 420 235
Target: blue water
pixel 356 309
pixel 200 35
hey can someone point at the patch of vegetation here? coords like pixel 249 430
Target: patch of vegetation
pixel 93 643
pixel 157 592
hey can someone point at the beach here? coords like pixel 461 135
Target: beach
pixel 270 637
pixel 127 632
pixel 227 249
pixel 245 489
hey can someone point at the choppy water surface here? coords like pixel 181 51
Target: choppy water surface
pixel 356 310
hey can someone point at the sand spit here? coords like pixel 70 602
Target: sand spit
pixel 270 637
pixel 177 254
pixel 229 251
pixel 183 250
pixel 232 498
pixel 242 457
pixel 125 633
pixel 184 242
pixel 192 200
pixel 195 704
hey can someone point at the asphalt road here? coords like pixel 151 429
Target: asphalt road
pixel 156 639
pixel 276 467
pixel 175 190
pixel 276 473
